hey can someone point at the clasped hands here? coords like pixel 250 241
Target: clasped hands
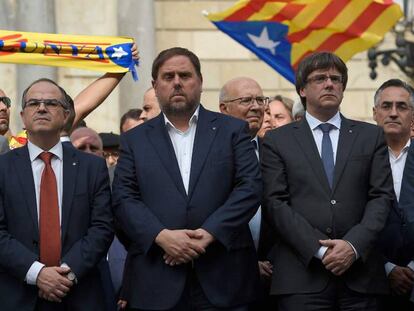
pixel 53 283
pixel 182 246
pixel 339 256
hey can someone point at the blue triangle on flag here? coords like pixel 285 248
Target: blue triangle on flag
pixel 265 39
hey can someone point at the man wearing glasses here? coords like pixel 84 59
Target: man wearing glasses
pixel 327 192
pixel 4 113
pixel 243 98
pixel 55 213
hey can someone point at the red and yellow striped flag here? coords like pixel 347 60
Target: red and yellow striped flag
pixel 283 32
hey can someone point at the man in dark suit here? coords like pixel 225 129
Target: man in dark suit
pixel 328 191
pixel 55 213
pixel 243 98
pixel 393 111
pixel 186 185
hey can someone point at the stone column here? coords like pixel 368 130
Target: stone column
pixel 136 19
pixel 33 16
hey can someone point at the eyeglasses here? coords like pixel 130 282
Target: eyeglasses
pixel 6 100
pixel 50 104
pixel 247 101
pixel 399 106
pixel 320 79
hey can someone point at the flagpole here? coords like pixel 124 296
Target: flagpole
pixel 40 19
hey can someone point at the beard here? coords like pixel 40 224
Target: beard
pixel 4 127
pixel 179 109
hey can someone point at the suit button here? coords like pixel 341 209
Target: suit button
pixel 35 243
pixel 328 230
pixel 333 202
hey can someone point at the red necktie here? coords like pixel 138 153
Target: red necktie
pixel 49 215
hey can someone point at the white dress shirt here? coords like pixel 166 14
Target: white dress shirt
pixel 334 136
pixel 183 143
pixel 397 168
pixel 37 168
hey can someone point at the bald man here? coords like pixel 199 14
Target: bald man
pixel 243 98
pixel 88 140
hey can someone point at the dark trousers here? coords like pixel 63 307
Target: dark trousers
pixel 400 303
pixel 194 299
pixel 335 297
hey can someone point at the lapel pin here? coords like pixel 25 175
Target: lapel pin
pixel 350 131
pixel 213 128
pixel 74 163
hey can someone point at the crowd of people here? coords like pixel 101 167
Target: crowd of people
pixel 269 204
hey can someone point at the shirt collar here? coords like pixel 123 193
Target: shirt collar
pixel 193 119
pixel 314 122
pixel 404 150
pixel 35 151
pixel 64 138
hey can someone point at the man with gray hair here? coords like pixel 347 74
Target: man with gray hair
pixel 243 98
pixel 393 111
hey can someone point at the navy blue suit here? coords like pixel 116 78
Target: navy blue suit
pixel 224 193
pixel 396 241
pixel 86 228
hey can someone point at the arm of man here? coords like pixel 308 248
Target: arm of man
pixel 292 227
pixel 136 220
pixel 95 93
pixel 380 195
pixel 86 252
pixel 225 223
pixel 15 257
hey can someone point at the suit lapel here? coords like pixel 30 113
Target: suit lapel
pixel 347 136
pixel 407 184
pixel 161 142
pixel 205 134
pixel 70 172
pixel 23 168
pixel 304 137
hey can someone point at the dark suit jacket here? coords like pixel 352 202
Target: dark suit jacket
pixel 4 144
pixel 224 193
pixel 396 241
pixel 303 208
pixel 86 228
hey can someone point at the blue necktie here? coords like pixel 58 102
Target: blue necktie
pixel 327 152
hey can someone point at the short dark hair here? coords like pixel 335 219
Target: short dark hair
pixel 175 51
pixel 395 83
pixel 65 97
pixel 316 61
pixel 130 114
pixel 72 114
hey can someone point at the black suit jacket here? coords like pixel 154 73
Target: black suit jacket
pixel 224 193
pixel 396 241
pixel 304 209
pixel 86 228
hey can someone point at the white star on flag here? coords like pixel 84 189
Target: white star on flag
pixel 263 41
pixel 119 52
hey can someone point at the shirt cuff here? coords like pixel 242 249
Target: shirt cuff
pixel 32 274
pixel 321 252
pixel 388 267
pixel 353 248
pixel 411 265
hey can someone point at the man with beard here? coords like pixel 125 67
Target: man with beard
pixel 186 185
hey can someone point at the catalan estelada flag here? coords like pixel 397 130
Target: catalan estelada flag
pixel 99 53
pixel 283 32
